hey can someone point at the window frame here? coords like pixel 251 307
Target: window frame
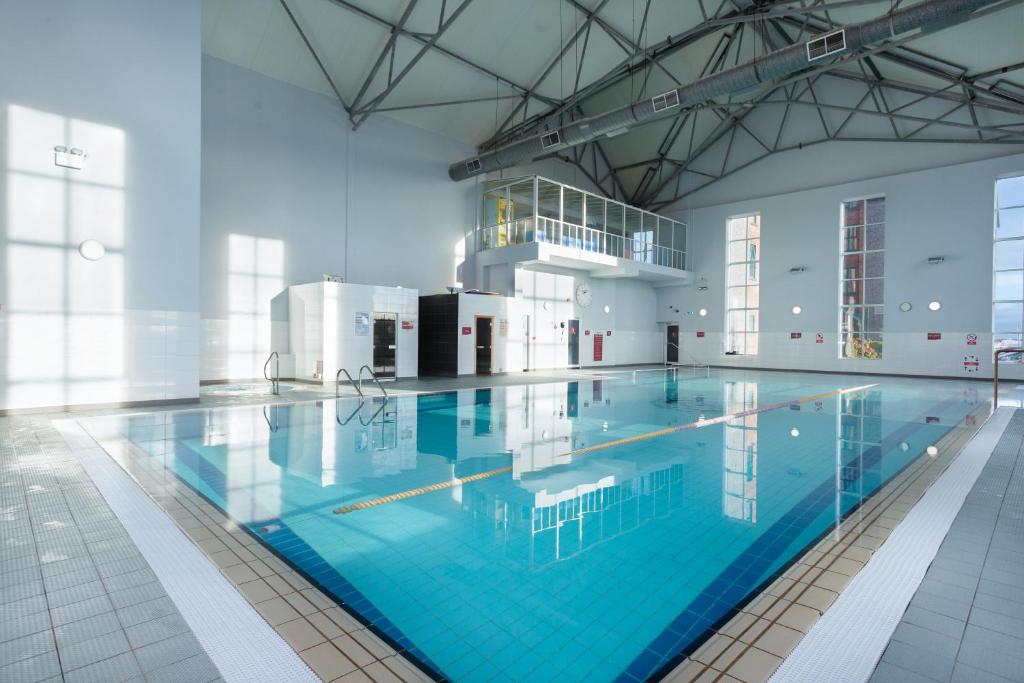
pixel 996 240
pixel 746 263
pixel 841 280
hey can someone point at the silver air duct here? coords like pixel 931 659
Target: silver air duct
pixel 925 16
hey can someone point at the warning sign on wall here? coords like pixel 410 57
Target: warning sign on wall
pixel 700 335
pixel 467 330
pixel 795 335
pixel 598 347
pixel 407 325
pixel 971 364
pixel 933 336
pixel 819 338
pixel 972 340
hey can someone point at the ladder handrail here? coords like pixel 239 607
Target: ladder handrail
pixel 694 363
pixel 377 412
pixel 275 381
pixel 337 415
pixel 373 377
pixel 337 381
pixel 275 426
pixel 995 373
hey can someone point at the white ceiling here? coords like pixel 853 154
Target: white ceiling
pixel 519 40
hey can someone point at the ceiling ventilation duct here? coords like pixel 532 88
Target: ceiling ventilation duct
pixel 929 15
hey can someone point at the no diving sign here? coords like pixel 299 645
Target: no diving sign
pixel 972 340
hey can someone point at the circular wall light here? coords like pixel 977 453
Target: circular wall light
pixel 933 451
pixel 797 310
pixel 906 306
pixel 92 250
pixel 703 312
pixel 904 446
pixel 607 309
pixel 794 432
pixel 934 306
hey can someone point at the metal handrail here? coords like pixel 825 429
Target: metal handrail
pixel 995 373
pixel 337 381
pixel 667 368
pixel 337 415
pixel 275 426
pixel 373 377
pixel 375 414
pixel 275 381
pixel 694 363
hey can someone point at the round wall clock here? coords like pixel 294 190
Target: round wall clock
pixel 584 296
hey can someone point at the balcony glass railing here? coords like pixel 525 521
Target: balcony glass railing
pixel 551 231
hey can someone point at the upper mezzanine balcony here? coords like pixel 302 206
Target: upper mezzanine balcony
pixel 533 221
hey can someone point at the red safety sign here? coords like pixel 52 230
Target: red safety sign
pixel 819 338
pixel 795 335
pixel 971 364
pixel 972 340
pixel 598 347
pixel 406 324
pixel 586 333
pixel 932 336
pixel 700 335
pixel 467 330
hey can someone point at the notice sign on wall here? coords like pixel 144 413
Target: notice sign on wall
pixel 972 340
pixel 362 324
pixel 971 363
pixel 795 335
pixel 407 325
pixel 598 347
pixel 819 338
pixel 933 336
pixel 466 331
pixel 503 327
pixel 700 334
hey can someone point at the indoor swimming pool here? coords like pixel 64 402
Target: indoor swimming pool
pixel 587 530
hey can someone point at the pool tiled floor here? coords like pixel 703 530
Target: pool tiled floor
pixel 966 621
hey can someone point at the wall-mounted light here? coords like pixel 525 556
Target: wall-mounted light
pixel 702 284
pixel 934 306
pixel 797 310
pixel 906 306
pixel 794 432
pixel 607 309
pixel 936 260
pixel 73 158
pixel 92 250
pixel 932 451
pixel 702 312
pixel 797 269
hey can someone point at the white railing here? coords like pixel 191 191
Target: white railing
pixel 552 231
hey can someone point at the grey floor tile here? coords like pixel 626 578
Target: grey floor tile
pixel 86 629
pixel 136 594
pixel 24 625
pixel 162 653
pixel 80 610
pixel 84 652
pixel 920 661
pixel 933 621
pixel 890 673
pixel 156 630
pixel 40 668
pixel 992 652
pixel 69 596
pixel 926 639
pixel 146 611
pixel 113 670
pixel 26 647
pixel 956 609
pixel 198 668
pixel 1001 623
pixel 962 673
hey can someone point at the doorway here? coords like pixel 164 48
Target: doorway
pixel 484 332
pixel 384 325
pixel 672 344
pixel 574 343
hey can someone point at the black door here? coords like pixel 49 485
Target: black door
pixel 574 343
pixel 483 345
pixel 384 344
pixel 672 352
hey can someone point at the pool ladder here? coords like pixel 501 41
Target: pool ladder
pixel 695 365
pixel 275 381
pixel 358 385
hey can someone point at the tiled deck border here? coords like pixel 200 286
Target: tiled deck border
pixel 753 643
pixel 333 643
pixel 749 647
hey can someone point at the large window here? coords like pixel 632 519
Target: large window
pixel 743 284
pixel 862 278
pixel 1008 264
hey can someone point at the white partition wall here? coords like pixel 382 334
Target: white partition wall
pixel 331 327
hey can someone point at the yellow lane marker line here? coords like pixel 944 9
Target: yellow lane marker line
pixel 345 509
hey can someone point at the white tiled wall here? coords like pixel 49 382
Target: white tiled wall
pixel 61 358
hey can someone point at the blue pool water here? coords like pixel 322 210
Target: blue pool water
pixel 553 564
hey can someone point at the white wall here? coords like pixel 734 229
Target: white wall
pixel 939 212
pixel 323 327
pixel 300 194
pixel 119 79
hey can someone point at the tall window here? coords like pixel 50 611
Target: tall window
pixel 862 285
pixel 1008 264
pixel 743 290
